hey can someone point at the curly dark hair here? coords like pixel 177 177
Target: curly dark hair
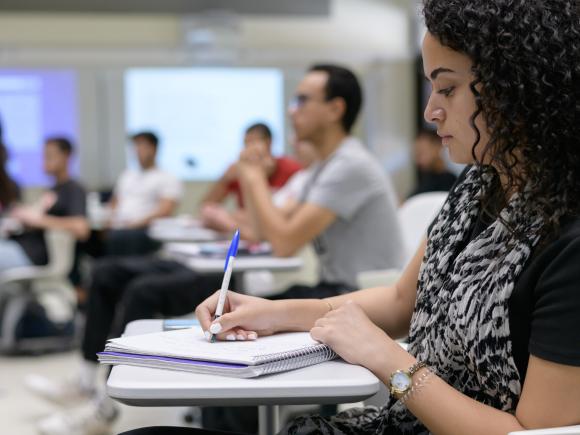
pixel 526 67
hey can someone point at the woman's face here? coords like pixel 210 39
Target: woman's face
pixel 452 103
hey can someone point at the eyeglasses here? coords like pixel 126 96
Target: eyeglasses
pixel 299 100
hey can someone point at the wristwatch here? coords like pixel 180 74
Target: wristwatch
pixel 401 381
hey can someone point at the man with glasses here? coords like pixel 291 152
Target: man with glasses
pixel 347 208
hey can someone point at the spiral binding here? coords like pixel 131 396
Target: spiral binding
pixel 283 361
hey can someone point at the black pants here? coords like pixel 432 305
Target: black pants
pixel 133 288
pixel 130 242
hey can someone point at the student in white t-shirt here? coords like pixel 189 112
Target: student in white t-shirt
pixel 141 196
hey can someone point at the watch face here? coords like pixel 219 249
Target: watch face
pixel 400 381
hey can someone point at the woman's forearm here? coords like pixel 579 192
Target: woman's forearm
pixel 298 315
pixel 444 410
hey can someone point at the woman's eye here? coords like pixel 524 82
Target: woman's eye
pixel 446 91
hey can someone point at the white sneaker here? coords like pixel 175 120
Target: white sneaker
pixel 68 392
pixel 86 420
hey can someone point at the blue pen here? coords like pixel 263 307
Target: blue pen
pixel 230 257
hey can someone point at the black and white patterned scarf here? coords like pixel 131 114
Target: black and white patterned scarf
pixel 460 325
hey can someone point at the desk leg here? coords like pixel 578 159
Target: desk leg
pixel 269 419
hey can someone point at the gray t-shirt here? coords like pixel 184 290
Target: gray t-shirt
pixel 365 234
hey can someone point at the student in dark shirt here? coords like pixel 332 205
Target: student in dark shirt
pixel 432 172
pixel 490 302
pixel 63 207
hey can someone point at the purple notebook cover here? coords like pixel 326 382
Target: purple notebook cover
pixel 176 360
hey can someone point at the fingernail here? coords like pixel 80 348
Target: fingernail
pixel 231 337
pixel 215 328
pixel 207 335
pixel 253 336
pixel 240 337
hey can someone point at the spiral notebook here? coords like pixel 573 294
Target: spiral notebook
pixel 188 350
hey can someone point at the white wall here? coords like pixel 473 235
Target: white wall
pixel 371 36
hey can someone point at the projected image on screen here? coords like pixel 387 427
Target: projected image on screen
pixel 35 104
pixel 200 114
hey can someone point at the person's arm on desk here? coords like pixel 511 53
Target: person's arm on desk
pixel 216 217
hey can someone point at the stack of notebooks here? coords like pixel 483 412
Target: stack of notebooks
pixel 188 350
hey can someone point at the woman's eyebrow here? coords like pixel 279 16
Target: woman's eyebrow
pixel 438 71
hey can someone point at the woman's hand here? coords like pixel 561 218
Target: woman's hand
pixel 245 317
pixel 256 160
pixel 357 340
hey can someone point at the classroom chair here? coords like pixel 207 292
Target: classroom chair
pixel 18 287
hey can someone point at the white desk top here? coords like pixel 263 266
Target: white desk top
pixel 244 264
pixel 181 229
pixel 190 254
pixel 329 382
pixel 183 234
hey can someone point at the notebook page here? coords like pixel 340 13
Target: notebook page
pixel 191 343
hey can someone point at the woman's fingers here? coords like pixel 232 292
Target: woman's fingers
pixel 237 334
pixel 204 312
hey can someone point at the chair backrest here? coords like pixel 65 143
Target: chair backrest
pixel 61 251
pixel 415 215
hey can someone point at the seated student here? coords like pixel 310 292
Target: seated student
pixel 490 301
pixel 432 172
pixel 278 169
pixel 348 206
pixel 287 196
pixel 347 209
pixel 63 207
pixel 140 197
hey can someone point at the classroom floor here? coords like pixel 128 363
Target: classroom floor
pixel 20 410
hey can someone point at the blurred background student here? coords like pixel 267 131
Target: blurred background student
pixel 278 169
pixel 63 207
pixel 433 174
pixel 140 196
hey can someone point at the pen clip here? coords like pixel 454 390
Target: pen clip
pixel 233 250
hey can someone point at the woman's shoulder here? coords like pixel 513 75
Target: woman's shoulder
pixel 568 237
pixel 562 249
pixel 552 279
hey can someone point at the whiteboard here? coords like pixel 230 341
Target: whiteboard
pixel 200 114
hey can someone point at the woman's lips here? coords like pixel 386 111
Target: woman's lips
pixel 445 139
